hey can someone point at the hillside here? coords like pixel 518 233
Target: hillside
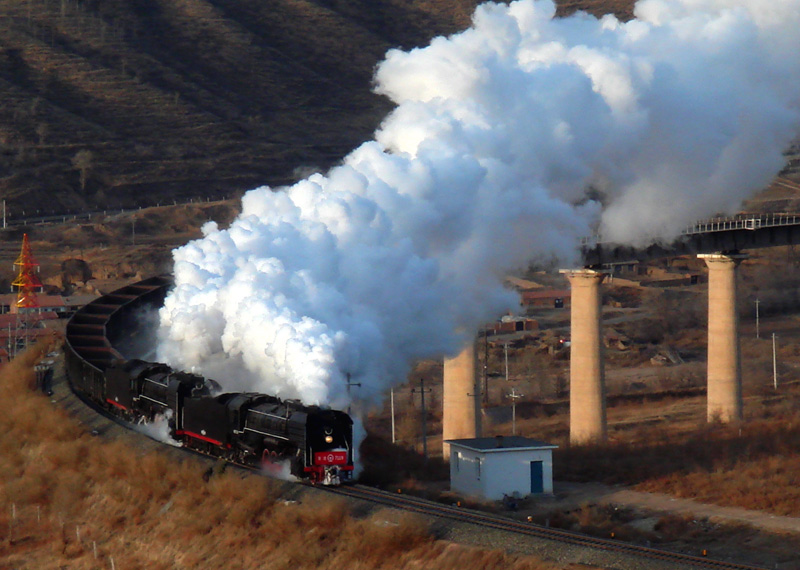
pixel 134 102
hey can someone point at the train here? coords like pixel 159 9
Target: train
pixel 246 428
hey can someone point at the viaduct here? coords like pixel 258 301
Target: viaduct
pixel 720 243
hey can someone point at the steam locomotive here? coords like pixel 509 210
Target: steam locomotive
pixel 250 429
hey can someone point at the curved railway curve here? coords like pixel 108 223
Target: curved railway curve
pixel 96 333
pixel 96 330
pixel 247 428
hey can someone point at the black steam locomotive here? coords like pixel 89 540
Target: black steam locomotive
pixel 250 429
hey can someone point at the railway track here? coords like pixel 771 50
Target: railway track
pixel 400 501
pixel 93 337
pixel 491 521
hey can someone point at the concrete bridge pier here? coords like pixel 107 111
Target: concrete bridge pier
pixel 724 360
pixel 587 392
pixel 461 413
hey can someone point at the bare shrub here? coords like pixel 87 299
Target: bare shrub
pixel 385 463
pixel 83 161
pixel 383 536
pixel 598 520
pixel 727 465
pixel 674 313
pixel 251 500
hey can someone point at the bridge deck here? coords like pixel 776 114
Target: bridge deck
pixel 724 235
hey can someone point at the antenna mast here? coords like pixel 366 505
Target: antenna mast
pixel 27 282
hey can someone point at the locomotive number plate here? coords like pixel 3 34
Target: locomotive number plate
pixel 330 457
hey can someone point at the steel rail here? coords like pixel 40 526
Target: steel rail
pixel 422 506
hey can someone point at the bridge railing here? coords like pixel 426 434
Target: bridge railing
pixel 739 232
pixel 737 222
pixel 742 222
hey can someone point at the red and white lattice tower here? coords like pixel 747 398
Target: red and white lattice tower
pixel 27 282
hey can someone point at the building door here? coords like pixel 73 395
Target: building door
pixel 537 477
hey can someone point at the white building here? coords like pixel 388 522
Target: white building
pixel 490 467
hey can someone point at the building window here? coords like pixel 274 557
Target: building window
pixel 458 461
pixel 478 468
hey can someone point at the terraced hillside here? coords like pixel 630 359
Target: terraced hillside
pixel 124 102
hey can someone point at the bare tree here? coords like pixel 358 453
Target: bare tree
pixel 42 130
pixel 82 161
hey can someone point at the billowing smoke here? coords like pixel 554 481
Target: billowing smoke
pixel 500 137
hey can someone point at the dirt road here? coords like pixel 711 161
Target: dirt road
pixel 573 495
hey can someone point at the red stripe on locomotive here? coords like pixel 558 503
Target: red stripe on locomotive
pixel 117 404
pixel 200 437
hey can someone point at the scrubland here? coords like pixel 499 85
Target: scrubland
pixel 71 500
pixel 753 466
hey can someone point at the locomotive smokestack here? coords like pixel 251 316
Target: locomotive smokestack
pixel 460 399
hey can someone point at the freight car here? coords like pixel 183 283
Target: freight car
pixel 250 429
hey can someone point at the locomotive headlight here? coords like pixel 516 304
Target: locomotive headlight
pixel 328 439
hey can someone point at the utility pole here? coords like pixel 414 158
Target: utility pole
pixel 349 385
pixel 485 366
pixel 422 391
pixel 505 351
pixel 394 439
pixel 757 331
pixel 774 364
pixel 514 397
pixel 477 407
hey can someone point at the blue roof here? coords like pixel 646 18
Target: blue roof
pixel 501 443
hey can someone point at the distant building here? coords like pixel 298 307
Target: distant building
pixel 491 467
pixel 554 298
pixel 63 307
pixel 509 324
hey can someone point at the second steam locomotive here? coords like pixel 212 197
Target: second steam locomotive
pixel 250 429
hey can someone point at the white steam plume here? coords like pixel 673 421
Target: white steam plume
pixel 158 429
pixel 498 134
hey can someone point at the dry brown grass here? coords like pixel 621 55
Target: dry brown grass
pixel 685 533
pixel 68 499
pixel 752 466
